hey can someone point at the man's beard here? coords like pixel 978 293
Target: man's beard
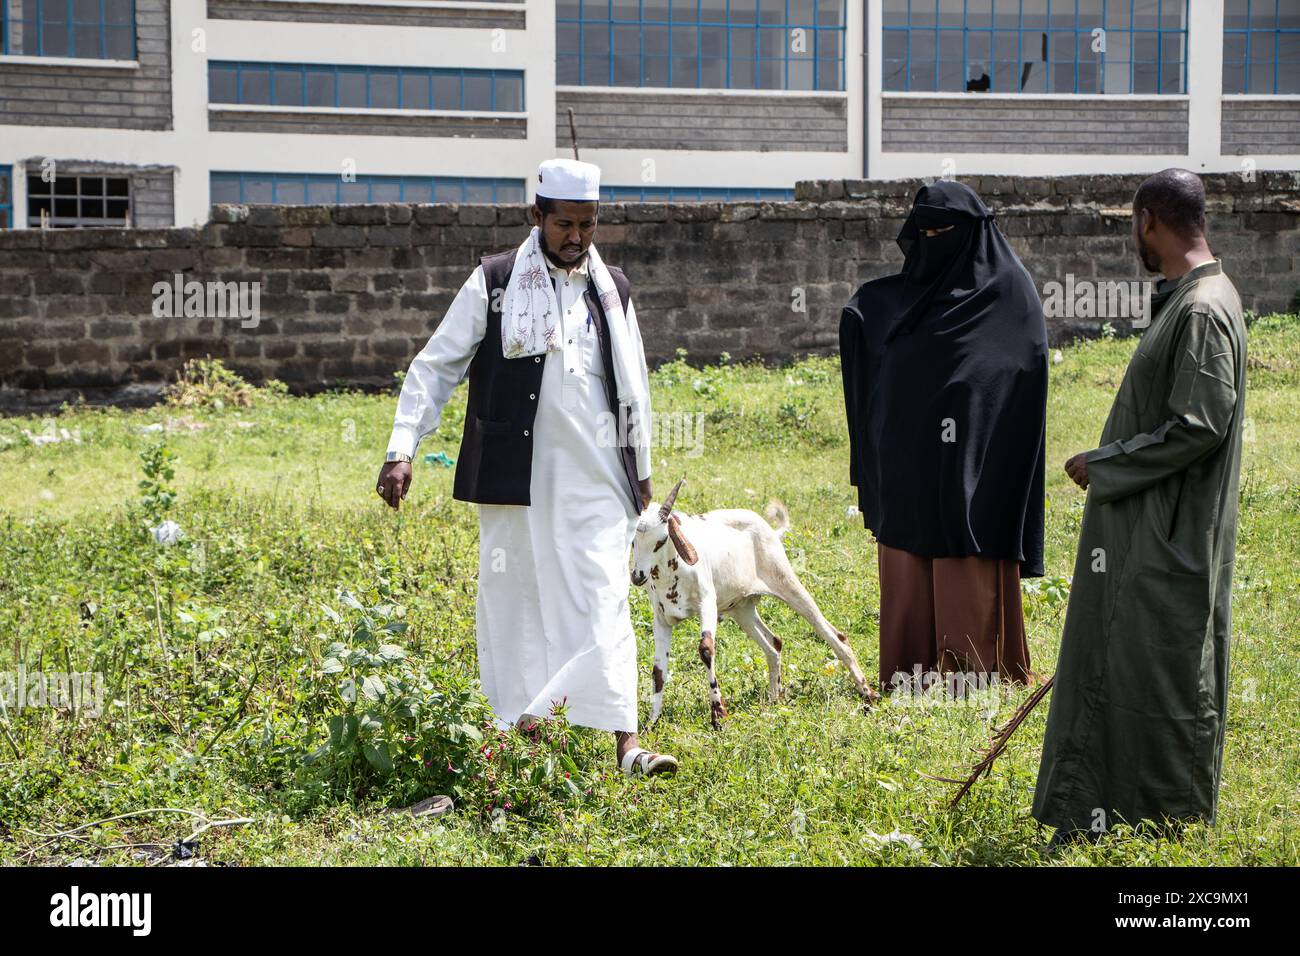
pixel 1145 257
pixel 546 251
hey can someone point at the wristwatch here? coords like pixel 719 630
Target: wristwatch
pixel 396 456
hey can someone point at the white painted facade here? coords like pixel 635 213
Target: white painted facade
pixel 195 151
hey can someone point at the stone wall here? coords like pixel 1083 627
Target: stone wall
pixel 369 12
pixel 635 119
pixel 1021 124
pixel 350 293
pixel 114 97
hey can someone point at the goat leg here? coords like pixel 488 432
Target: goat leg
pixel 746 615
pixel 708 649
pixel 795 595
pixel 663 644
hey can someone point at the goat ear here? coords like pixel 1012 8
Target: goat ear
pixel 685 550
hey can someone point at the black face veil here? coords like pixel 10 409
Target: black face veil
pixel 945 386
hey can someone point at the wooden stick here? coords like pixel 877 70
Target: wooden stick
pixel 573 134
pixel 1000 738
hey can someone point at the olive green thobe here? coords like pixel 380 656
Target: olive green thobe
pixel 1135 730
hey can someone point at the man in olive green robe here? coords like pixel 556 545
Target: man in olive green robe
pixel 1135 730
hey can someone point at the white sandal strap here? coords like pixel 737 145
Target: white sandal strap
pixel 630 760
pixel 638 760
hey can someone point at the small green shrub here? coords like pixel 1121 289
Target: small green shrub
pixel 207 383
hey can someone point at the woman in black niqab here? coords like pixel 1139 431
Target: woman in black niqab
pixel 945 386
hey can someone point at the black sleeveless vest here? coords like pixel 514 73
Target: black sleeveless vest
pixel 495 466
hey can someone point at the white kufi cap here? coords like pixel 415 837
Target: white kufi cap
pixel 569 179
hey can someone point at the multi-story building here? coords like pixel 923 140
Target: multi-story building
pixel 146 112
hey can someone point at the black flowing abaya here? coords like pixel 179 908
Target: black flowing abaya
pixel 945 386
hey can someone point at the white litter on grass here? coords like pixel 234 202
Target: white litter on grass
pixel 1058 358
pixel 171 426
pixel 852 511
pixel 167 533
pixel 52 438
pixel 886 839
pixel 798 821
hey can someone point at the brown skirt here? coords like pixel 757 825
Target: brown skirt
pixel 950 614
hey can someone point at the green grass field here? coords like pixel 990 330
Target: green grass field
pixel 304 658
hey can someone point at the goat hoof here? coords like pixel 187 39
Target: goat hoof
pixel 718 716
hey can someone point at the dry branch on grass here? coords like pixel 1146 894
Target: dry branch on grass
pixel 998 743
pixel 51 838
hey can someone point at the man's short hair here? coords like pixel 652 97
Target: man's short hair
pixel 1177 198
pixel 547 205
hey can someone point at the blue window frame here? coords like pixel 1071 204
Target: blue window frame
pixel 701 44
pixel 1261 46
pixel 372 87
pixel 1035 46
pixel 690 194
pixel 296 189
pixel 6 197
pixel 86 29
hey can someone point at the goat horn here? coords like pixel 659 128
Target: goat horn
pixel 667 507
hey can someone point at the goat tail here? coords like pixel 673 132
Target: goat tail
pixel 778 517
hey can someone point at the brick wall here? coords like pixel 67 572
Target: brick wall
pixel 620 119
pixel 1261 126
pixel 1023 124
pixel 351 293
pixel 383 14
pixel 102 96
pixel 242 119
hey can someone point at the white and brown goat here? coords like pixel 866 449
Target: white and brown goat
pixel 723 562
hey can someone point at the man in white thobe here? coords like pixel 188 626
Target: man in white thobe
pixel 556 454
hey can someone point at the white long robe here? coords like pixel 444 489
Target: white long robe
pixel 552 611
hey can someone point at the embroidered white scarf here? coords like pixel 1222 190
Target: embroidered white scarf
pixel 530 317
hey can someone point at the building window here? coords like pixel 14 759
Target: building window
pixel 366 87
pixel 87 29
pixel 1261 46
pixel 78 201
pixel 1035 46
pixel 691 194
pixel 296 189
pixel 6 197
pixel 701 44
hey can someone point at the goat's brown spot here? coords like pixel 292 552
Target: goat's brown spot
pixel 672 594
pixel 672 564
pixel 776 642
pixel 659 680
pixel 654 572
pixel 661 607
pixel 843 639
pixel 660 544
pixel 706 649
